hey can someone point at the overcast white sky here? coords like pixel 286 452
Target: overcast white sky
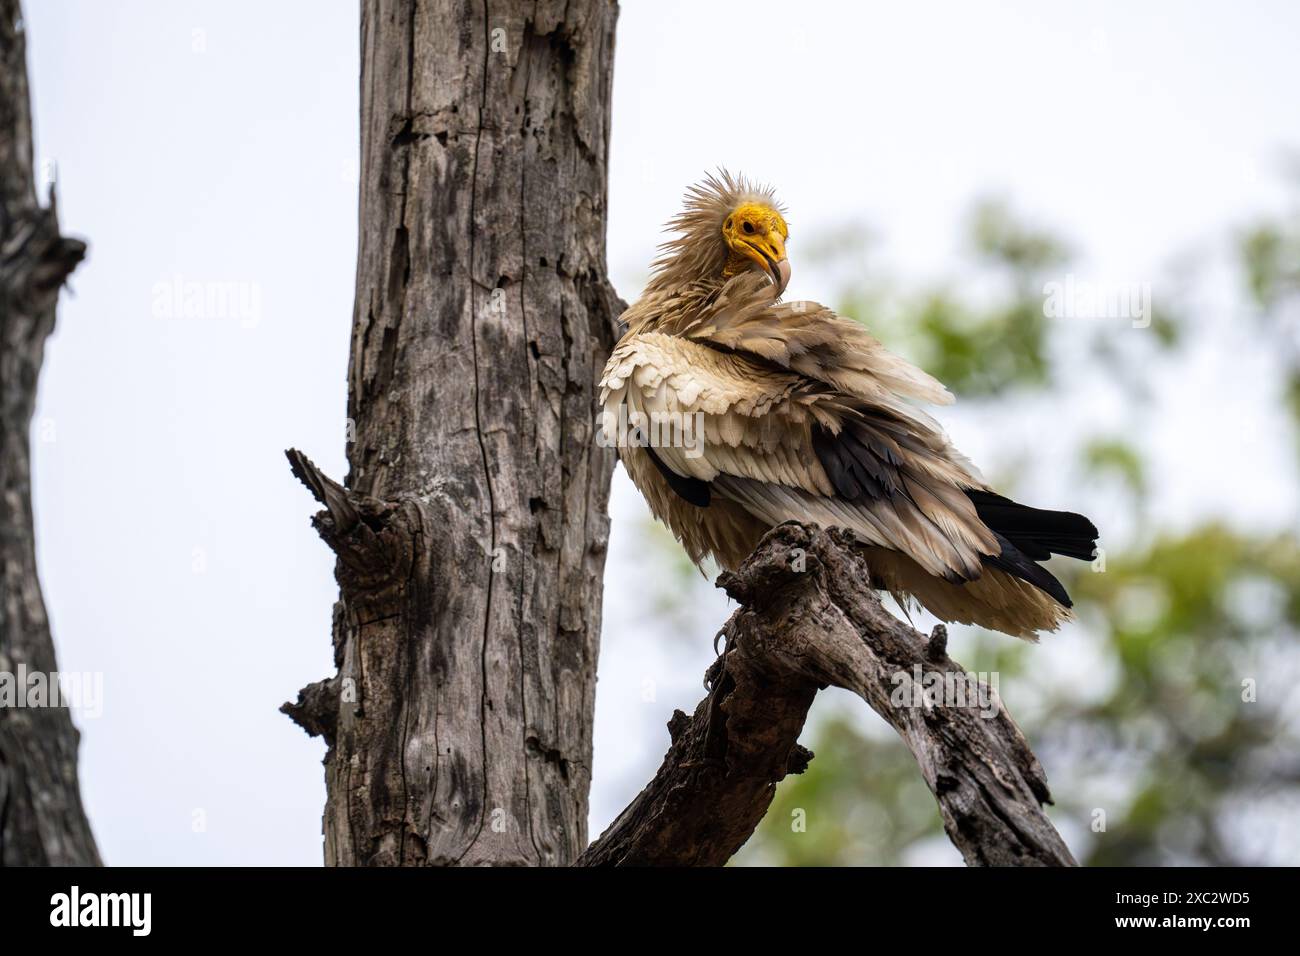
pixel 217 142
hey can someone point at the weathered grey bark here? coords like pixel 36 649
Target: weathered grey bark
pixel 41 818
pixel 796 632
pixel 471 535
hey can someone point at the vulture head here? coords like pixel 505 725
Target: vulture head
pixel 727 227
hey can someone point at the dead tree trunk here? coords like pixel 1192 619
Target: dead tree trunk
pixel 472 530
pixel 41 818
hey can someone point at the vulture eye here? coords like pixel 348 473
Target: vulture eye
pixel 748 227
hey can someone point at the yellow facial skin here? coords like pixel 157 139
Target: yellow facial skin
pixel 756 234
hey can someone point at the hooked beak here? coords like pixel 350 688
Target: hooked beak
pixel 782 275
pixel 771 256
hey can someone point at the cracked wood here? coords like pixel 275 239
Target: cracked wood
pixel 472 526
pixel 809 619
pixel 42 822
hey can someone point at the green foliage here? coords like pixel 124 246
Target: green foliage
pixel 1002 239
pixel 820 818
pixel 1269 255
pixel 977 349
pixel 1118 457
pixel 1292 394
pixel 1194 621
pixel 984 353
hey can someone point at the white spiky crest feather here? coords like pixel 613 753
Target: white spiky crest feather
pixel 698 251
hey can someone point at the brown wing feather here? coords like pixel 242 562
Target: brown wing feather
pixel 759 450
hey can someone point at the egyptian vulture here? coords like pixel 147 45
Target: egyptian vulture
pixel 734 411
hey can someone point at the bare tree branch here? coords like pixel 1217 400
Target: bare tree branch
pixel 810 619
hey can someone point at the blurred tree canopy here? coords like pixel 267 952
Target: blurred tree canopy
pixel 1270 257
pixel 1172 738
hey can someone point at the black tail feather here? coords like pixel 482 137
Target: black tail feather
pixel 1027 535
pixel 1036 533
